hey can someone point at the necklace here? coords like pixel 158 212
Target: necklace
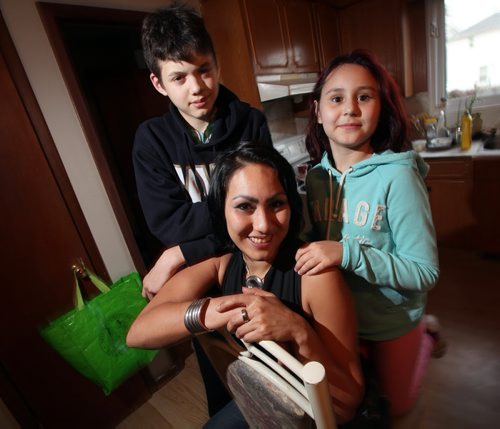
pixel 254 281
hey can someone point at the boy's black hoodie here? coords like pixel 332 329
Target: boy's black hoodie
pixel 172 171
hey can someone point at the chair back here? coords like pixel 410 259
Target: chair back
pixel 274 390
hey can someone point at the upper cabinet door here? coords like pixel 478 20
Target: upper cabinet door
pixel 268 36
pixel 375 25
pixel 281 36
pixel 300 24
pixel 327 32
pixel 226 23
pixel 415 47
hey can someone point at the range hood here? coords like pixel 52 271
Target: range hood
pixel 276 86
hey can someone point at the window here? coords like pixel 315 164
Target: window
pixel 484 79
pixel 463 48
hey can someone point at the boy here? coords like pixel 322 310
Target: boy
pixel 173 154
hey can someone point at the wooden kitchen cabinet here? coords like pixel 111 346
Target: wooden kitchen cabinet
pixel 225 22
pixel 326 18
pixel 464 199
pixel 415 47
pixel 281 36
pixel 253 37
pixel 375 25
pixel 261 37
pixel 394 30
pixel 450 187
pixel 486 203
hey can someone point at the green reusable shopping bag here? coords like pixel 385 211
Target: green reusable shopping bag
pixel 91 338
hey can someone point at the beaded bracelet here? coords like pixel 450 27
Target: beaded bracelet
pixel 192 319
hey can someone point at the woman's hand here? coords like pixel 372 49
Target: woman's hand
pixel 315 257
pixel 167 265
pixel 268 317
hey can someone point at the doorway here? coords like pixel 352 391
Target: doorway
pixel 43 234
pixel 99 53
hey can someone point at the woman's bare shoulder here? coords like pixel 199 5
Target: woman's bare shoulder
pixel 322 287
pixel 330 277
pixel 222 263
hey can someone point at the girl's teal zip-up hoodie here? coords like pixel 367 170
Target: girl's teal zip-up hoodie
pixel 379 210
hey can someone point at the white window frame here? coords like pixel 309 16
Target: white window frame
pixel 436 64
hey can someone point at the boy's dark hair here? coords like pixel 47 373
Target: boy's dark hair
pixel 393 126
pixel 176 33
pixel 228 163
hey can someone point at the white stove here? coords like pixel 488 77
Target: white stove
pixel 293 149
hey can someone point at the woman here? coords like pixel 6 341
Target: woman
pixel 257 211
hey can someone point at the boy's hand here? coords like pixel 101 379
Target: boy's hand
pixel 312 258
pixel 166 266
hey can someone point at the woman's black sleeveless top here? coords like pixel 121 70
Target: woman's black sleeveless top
pixel 281 279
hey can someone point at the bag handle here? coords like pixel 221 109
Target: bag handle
pixel 81 271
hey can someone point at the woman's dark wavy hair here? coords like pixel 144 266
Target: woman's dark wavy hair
pixel 228 163
pixel 393 126
pixel 176 33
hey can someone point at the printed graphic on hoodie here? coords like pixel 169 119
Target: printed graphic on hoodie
pixel 194 179
pixel 360 216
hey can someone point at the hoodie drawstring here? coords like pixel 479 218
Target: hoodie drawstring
pixel 330 202
pixel 336 208
pixel 199 182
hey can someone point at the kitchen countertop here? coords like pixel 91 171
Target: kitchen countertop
pixel 476 150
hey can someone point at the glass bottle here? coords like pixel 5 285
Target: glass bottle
pixel 466 128
pixel 441 128
pixel 430 129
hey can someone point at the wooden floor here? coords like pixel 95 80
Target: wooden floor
pixel 180 404
pixel 461 390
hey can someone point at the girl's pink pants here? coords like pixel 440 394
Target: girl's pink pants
pixel 400 366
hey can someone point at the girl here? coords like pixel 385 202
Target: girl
pixel 253 197
pixel 368 202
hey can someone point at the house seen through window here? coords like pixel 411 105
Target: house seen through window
pixel 472 46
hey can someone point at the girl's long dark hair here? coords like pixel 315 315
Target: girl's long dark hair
pixel 393 126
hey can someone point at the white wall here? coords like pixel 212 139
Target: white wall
pixel 33 47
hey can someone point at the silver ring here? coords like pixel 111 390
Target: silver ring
pixel 244 315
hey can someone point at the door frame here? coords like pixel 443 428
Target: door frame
pixel 52 14
pixel 11 396
pixel 48 146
